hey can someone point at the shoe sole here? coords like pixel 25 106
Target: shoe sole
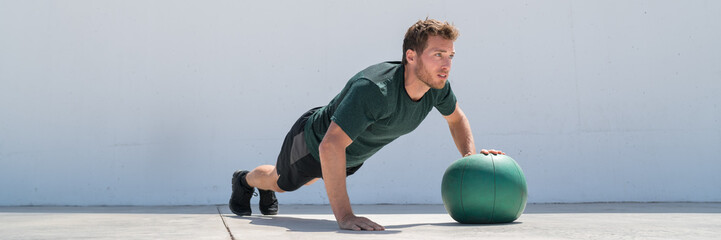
pixel 269 212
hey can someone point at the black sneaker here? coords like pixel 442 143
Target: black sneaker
pixel 268 202
pixel 242 192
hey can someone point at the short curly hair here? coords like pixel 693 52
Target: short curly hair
pixel 417 35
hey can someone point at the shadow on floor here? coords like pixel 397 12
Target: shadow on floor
pixel 295 224
pixel 451 224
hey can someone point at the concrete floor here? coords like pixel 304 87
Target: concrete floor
pixel 539 221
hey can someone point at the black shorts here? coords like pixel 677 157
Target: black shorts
pixel 296 166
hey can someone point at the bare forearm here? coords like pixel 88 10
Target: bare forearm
pixel 333 162
pixel 462 136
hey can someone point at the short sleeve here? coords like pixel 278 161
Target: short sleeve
pixel 446 100
pixel 360 107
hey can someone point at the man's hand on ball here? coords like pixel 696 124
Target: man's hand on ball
pixel 492 151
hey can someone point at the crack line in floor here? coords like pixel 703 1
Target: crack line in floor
pixel 225 224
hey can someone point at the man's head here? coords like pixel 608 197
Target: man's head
pixel 416 38
pixel 428 51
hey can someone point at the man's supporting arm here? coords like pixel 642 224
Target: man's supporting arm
pixel 333 164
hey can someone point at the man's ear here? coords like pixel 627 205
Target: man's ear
pixel 411 56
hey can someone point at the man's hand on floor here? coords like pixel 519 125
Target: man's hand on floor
pixel 352 222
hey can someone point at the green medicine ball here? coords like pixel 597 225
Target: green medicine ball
pixel 484 189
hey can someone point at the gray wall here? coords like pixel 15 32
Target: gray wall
pixel 158 102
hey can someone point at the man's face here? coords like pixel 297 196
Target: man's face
pixel 434 64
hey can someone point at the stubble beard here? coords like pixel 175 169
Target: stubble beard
pixel 425 77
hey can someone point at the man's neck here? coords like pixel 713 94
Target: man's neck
pixel 414 87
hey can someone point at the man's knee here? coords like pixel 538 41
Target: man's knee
pixel 292 187
pixel 277 188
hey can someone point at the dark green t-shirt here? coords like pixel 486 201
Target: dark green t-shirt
pixel 374 109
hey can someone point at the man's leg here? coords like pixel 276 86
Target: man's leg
pixel 267 178
pixel 264 177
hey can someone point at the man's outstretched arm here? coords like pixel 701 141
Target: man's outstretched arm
pixel 461 132
pixel 333 164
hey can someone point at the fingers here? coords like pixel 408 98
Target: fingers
pixel 492 151
pixel 376 227
pixel 496 152
pixel 368 225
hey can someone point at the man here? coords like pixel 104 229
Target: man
pixel 377 105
